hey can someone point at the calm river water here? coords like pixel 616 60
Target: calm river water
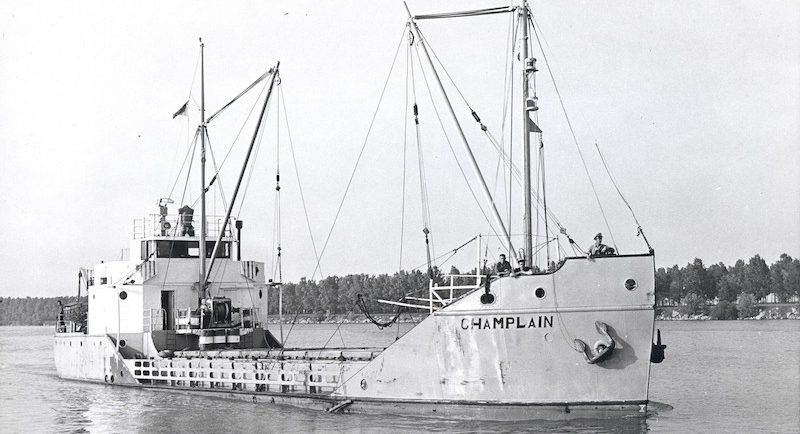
pixel 719 376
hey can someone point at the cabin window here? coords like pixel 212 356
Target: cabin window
pixel 189 249
pixel 148 248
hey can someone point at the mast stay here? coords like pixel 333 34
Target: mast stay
pixel 473 162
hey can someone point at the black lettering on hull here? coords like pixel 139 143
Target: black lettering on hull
pixel 507 322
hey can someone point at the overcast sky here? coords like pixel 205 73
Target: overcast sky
pixel 695 105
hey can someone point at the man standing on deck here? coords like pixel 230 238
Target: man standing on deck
pixel 503 266
pixel 598 248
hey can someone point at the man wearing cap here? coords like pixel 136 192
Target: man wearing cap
pixel 598 248
pixel 503 266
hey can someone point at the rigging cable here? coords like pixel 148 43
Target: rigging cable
pixel 572 130
pixel 255 157
pixel 188 141
pixel 450 145
pixel 510 109
pixel 258 80
pixel 405 148
pixel 241 129
pixel 423 182
pixel 189 150
pixel 488 134
pixel 470 13
pixel 450 252
pixel 216 173
pixel 508 92
pixel 639 230
pixel 297 174
pixel 507 82
pixel 331 337
pixel 183 196
pixel 360 154
pixel 276 230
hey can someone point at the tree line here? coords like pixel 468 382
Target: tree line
pixel 32 310
pixel 726 283
pixel 728 292
pixel 730 289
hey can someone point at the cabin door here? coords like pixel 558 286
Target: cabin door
pixel 168 305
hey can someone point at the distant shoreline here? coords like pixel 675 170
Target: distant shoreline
pixel 344 320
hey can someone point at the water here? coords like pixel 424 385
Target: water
pixel 719 376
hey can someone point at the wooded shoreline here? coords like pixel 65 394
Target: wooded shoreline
pixel 745 290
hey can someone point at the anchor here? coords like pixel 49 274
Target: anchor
pixel 602 349
pixel 657 353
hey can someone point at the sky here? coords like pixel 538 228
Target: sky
pixel 695 106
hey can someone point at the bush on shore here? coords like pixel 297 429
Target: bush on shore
pixel 746 303
pixel 724 310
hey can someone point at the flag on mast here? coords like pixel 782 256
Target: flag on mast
pixel 181 111
pixel 532 127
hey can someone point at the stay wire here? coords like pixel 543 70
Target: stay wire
pixel 455 157
pixel 360 154
pixel 572 130
pixel 261 133
pixel 189 97
pixel 276 227
pixel 244 123
pixel 423 181
pixel 405 147
pixel 616 187
pixel 491 138
pixel 297 174
pixel 216 173
pixel 189 150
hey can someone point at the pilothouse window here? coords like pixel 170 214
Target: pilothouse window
pixel 190 249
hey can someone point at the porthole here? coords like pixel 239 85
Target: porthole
pixel 539 292
pixel 630 284
pixel 364 383
pixel 260 294
pixel 122 343
pixel 81 343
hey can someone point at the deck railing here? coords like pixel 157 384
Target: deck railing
pixel 442 295
pixel 187 319
pixel 265 375
pixel 176 225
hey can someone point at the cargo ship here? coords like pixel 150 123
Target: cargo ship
pixel 186 313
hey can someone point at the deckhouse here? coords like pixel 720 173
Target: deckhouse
pixel 152 301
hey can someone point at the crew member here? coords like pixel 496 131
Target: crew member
pixel 62 325
pixel 187 214
pixel 503 266
pixel 598 248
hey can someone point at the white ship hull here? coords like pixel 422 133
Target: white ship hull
pixel 513 358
